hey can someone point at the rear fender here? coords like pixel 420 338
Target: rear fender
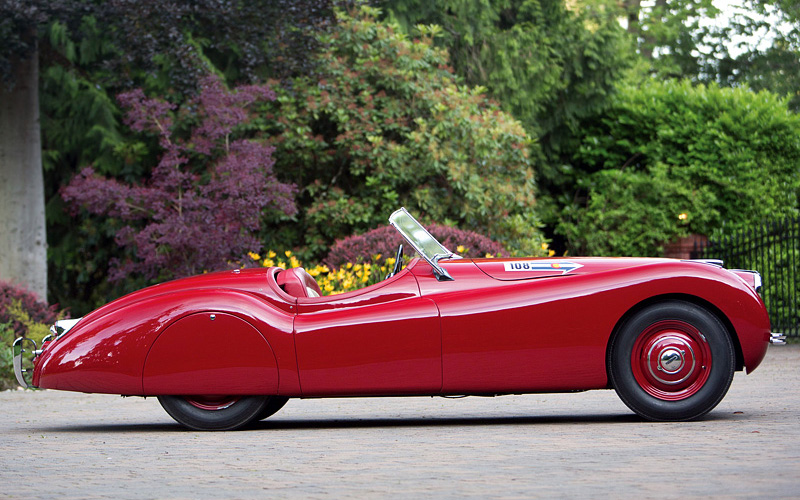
pixel 107 353
pixel 210 353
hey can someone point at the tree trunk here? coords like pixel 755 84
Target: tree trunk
pixel 631 9
pixel 23 244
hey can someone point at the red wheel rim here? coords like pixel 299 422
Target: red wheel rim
pixel 671 360
pixel 211 403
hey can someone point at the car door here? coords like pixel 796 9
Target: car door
pixel 538 333
pixel 382 340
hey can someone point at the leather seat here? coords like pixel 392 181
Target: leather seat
pixel 298 283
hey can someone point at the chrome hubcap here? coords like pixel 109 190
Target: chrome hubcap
pixel 671 359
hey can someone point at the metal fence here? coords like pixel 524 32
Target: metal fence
pixel 772 249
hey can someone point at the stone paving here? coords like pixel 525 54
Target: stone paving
pixel 66 445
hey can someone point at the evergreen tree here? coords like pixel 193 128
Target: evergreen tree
pixel 89 51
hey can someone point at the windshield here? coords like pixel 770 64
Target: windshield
pixel 422 241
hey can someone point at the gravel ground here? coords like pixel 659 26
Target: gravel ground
pixel 67 445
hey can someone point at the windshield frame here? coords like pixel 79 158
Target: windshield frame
pixel 422 241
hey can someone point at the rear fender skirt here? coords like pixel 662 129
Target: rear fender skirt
pixel 210 353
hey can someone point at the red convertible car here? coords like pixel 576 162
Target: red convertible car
pixel 225 349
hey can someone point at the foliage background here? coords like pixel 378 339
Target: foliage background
pixel 387 123
pixel 716 157
pixel 527 121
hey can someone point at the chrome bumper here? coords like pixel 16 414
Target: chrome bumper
pixel 23 365
pixel 777 338
pixel 26 351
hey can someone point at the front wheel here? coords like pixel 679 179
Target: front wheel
pixel 214 413
pixel 671 361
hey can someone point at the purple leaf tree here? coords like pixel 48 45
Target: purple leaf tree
pixel 202 206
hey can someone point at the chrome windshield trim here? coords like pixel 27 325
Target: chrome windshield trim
pixel 430 250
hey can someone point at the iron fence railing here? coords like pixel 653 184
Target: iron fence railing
pixel 772 249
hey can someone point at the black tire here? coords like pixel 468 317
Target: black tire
pixel 274 404
pixel 214 413
pixel 671 361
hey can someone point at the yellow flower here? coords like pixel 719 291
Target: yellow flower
pixel 551 253
pixel 545 246
pixel 271 254
pixel 254 256
pixel 461 249
pixel 288 253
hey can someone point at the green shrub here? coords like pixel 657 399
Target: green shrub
pixel 387 123
pixel 17 302
pixel 32 329
pixel 669 159
pixel 21 314
pixel 7 379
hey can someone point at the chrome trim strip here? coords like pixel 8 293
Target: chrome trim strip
pixel 756 276
pixel 777 338
pixel 713 262
pixel 62 326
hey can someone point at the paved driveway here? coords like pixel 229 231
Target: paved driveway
pixel 65 445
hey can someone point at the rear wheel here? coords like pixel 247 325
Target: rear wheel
pixel 214 413
pixel 671 361
pixel 274 404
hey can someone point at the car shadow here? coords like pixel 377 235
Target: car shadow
pixel 278 424
pixel 382 422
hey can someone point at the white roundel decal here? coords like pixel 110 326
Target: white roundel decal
pixel 554 266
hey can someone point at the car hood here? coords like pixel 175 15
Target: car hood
pixel 531 268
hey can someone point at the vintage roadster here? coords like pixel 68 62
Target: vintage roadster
pixel 225 349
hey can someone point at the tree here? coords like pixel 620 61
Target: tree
pixel 759 45
pixel 771 58
pixel 550 63
pixel 23 242
pixel 202 206
pixel 386 124
pixel 669 33
pixel 97 49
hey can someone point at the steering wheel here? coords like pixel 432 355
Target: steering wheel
pixel 398 262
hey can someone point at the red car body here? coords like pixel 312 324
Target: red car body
pixel 491 330
pixel 225 349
